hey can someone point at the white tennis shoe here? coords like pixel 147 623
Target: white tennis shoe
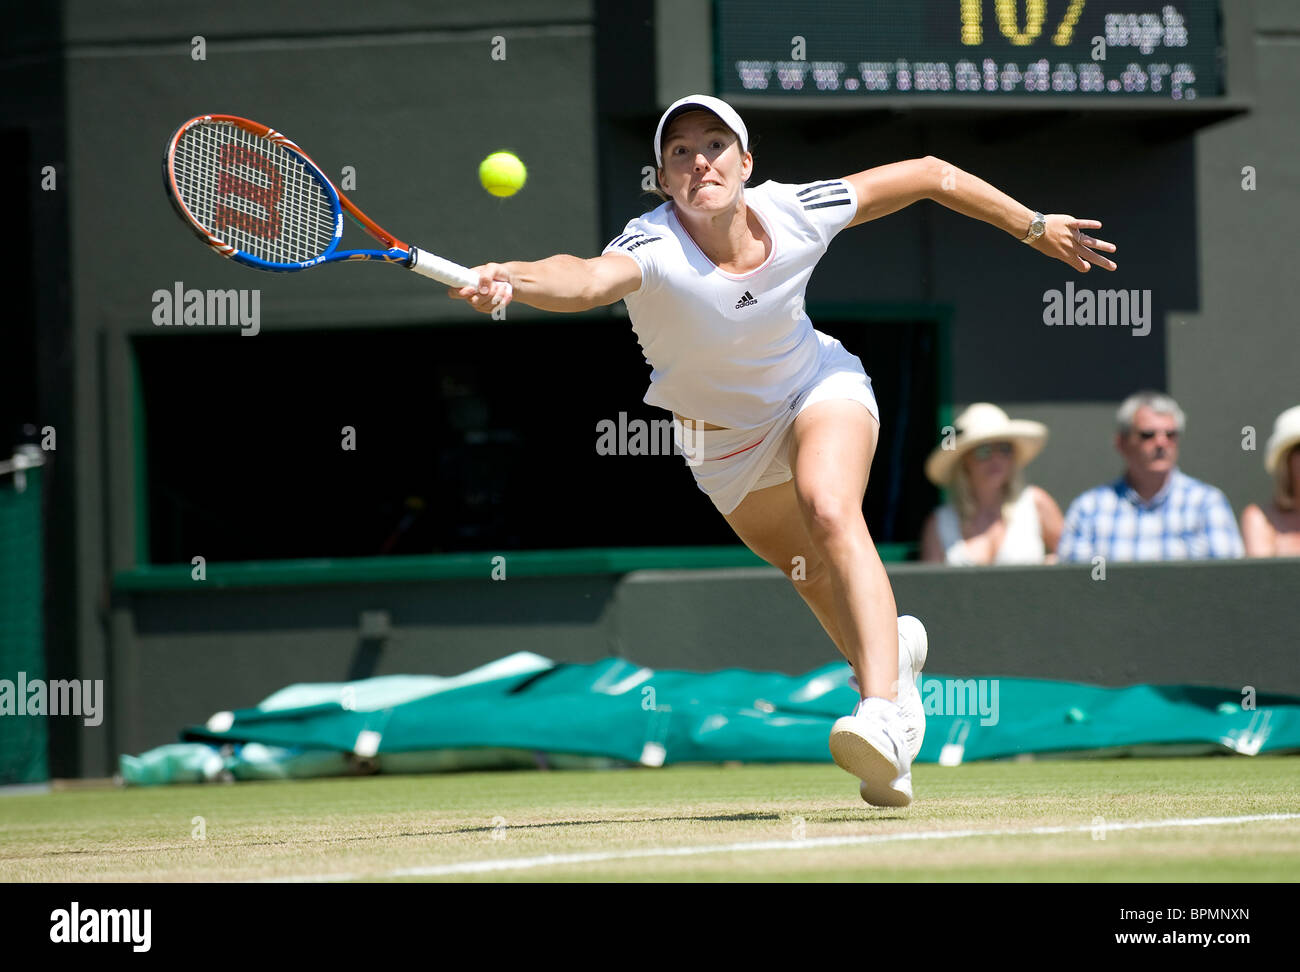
pixel 882 743
pixel 871 745
pixel 913 648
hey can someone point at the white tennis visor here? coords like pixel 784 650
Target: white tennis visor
pixel 706 103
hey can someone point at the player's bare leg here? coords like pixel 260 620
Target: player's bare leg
pixel 816 535
pixel 831 449
pixel 770 524
pixel 832 445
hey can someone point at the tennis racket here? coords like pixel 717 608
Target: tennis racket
pixel 257 198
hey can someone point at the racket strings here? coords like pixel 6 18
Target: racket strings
pixel 253 194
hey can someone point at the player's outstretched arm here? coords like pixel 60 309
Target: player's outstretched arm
pixel 564 284
pixel 889 188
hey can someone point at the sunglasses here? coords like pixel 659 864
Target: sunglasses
pixel 1146 435
pixel 984 452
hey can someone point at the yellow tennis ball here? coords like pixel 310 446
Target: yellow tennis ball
pixel 502 174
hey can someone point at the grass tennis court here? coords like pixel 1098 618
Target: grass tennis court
pixel 370 829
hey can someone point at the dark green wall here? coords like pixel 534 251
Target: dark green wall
pixel 36 338
pixel 407 93
pixel 1234 360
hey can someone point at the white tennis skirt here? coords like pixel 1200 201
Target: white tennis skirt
pixel 730 463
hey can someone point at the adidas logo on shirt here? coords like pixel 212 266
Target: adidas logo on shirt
pixel 746 300
pixel 630 241
pixel 824 191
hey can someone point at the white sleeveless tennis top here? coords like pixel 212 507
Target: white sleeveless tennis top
pixel 1022 543
pixel 724 348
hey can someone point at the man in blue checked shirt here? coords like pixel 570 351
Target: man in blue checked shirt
pixel 1153 511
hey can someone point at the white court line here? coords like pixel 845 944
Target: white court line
pixel 593 857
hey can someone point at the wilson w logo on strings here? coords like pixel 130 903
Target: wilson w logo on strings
pixel 266 196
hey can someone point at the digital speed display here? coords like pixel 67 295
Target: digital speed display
pixel 1023 49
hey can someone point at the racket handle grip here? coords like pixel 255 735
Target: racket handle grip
pixel 443 271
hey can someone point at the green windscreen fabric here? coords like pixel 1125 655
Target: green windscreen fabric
pixel 527 710
pixel 23 738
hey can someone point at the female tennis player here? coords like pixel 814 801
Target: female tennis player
pixel 777 420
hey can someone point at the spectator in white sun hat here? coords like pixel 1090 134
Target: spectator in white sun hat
pixel 1274 530
pixel 992 517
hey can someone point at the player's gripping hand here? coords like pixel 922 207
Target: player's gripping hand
pixel 495 288
pixel 1071 241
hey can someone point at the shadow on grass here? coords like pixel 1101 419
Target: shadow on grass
pixel 868 814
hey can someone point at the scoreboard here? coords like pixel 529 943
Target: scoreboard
pixel 1026 50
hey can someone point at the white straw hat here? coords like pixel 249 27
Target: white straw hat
pixel 982 423
pixel 705 103
pixel 1286 433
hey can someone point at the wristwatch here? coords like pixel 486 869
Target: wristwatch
pixel 1036 228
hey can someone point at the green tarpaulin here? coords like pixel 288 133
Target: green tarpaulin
pixel 528 710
